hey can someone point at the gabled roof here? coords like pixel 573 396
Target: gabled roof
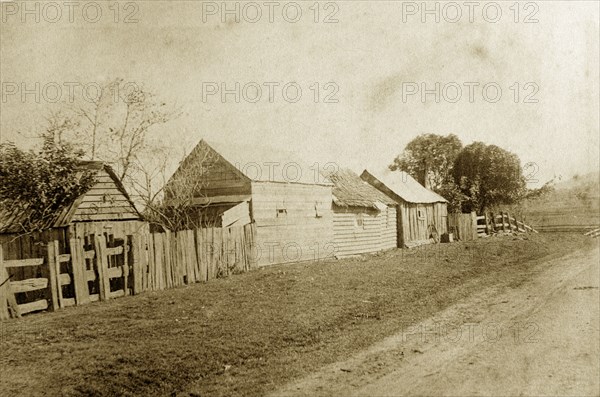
pixel 403 186
pixel 262 163
pixel 13 220
pixel 349 190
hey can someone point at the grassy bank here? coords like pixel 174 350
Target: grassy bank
pixel 249 333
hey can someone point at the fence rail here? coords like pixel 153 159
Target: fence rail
pixel 471 226
pixel 593 233
pixel 501 223
pixel 9 287
pixel 99 267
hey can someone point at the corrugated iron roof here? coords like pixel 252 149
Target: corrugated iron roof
pixel 349 190
pixel 404 186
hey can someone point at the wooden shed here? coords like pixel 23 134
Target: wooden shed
pixel 105 208
pixel 364 218
pixel 289 201
pixel 422 215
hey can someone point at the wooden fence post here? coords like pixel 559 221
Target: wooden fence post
pixel 102 266
pixel 53 281
pixel 7 297
pixel 191 256
pixel 169 276
pixel 474 224
pixel 59 292
pixel 513 222
pixel 158 262
pixel 135 264
pixel 200 251
pixel 78 268
pixel 4 289
pixel 493 228
pixel 126 269
pixel 487 223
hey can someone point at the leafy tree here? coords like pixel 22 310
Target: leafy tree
pixel 488 176
pixel 429 158
pixel 38 184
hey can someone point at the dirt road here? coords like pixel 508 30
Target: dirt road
pixel 542 338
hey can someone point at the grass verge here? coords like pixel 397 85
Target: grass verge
pixel 248 334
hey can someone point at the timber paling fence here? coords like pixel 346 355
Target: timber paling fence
pixel 99 267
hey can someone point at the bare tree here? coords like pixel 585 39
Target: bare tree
pixel 115 128
pixel 176 202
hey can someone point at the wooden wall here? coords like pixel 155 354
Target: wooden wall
pixel 219 178
pixel 378 230
pixel 464 226
pixel 104 201
pixel 294 222
pixel 116 228
pixel 413 228
pixel 26 246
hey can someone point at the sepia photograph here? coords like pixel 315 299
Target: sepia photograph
pixel 299 198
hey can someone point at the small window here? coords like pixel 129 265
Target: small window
pixel 359 221
pixel 318 210
pixel 281 209
pixel 421 214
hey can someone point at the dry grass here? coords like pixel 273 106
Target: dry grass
pixel 249 333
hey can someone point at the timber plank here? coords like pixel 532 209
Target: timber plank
pixel 71 301
pixel 64 279
pixel 77 267
pixel 169 277
pixel 38 305
pixel 50 269
pixel 4 288
pixel 191 256
pixel 126 244
pixel 102 266
pixel 135 264
pixel 158 258
pixel 28 285
pixel 57 262
pixel 200 254
pixel 144 262
pixel 24 262
pixel 151 264
pixel 114 272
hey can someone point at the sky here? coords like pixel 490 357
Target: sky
pixel 347 77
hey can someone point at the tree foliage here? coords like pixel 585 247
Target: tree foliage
pixel 431 157
pixel 488 176
pixel 471 178
pixel 39 184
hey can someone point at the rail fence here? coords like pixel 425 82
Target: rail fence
pixel 101 266
pixel 470 226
